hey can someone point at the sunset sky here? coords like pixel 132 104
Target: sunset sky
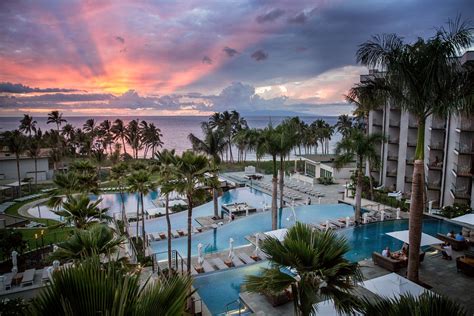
pixel 195 57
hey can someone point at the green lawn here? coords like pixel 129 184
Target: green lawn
pixel 50 235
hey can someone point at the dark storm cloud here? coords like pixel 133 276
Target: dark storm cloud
pixel 230 51
pixel 298 19
pixel 270 16
pixel 207 60
pixel 120 39
pixel 8 87
pixel 259 55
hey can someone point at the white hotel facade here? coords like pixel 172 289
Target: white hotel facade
pixel 449 151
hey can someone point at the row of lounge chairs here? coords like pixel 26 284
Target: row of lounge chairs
pixel 175 233
pixel 303 188
pixel 25 278
pixel 218 264
pixel 268 186
pixel 113 189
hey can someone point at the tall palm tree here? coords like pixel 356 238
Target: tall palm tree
pixel 98 239
pixel 55 117
pixel 27 125
pixel 344 124
pixel 212 145
pixel 119 173
pixel 34 150
pixel 189 177
pixel 81 211
pixel 120 132
pixel 318 268
pixel 166 163
pixel 90 288
pixel 16 143
pixel 288 140
pixel 427 304
pixel 423 78
pixel 151 137
pixel 134 137
pixel 270 143
pixel 105 134
pixel 140 182
pixel 359 147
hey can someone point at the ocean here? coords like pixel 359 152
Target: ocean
pixel 175 129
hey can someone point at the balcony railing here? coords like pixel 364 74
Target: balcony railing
pixel 392 157
pixel 411 143
pixel 409 179
pixel 435 166
pixel 434 185
pixel 438 123
pixel 393 140
pixel 410 161
pixel 412 123
pixel 463 148
pixel 377 123
pixel 391 173
pixel 394 123
pixel 437 146
pixel 462 170
pixel 460 192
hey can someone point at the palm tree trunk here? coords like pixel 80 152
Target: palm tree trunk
pixel 168 224
pixel 216 204
pixel 274 194
pixel 143 225
pixel 358 196
pixel 123 144
pixel 190 216
pixel 36 173
pixel 18 173
pixel 416 205
pixel 282 179
pixel 138 215
pixel 230 150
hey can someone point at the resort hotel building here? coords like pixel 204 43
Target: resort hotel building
pixel 449 151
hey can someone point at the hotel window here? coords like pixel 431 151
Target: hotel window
pixel 310 170
pixel 325 173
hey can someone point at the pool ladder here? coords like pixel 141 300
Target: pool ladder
pixel 241 309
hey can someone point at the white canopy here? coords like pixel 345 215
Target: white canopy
pixel 468 219
pixel 16 184
pixel 425 238
pixel 326 308
pixel 156 210
pixel 278 234
pixel 392 286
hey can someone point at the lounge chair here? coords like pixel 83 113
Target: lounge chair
pixel 219 263
pixel 163 235
pixel 236 262
pixel 45 275
pixel 337 224
pixel 151 237
pixel 156 236
pixel 207 267
pixel 175 234
pixel 455 244
pixel 7 280
pixel 245 258
pixel 28 277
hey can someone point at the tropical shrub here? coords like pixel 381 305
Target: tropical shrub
pixel 455 210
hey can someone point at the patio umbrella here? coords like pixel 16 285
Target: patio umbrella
pixel 257 242
pixel 14 261
pixel 347 221
pixel 392 286
pixel 231 249
pixel 200 257
pixel 425 238
pixel 468 219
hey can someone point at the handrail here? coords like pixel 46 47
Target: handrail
pixel 233 302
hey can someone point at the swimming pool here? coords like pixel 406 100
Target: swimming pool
pixel 216 240
pixel 179 220
pixel 220 288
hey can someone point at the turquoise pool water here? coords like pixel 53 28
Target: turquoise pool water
pixel 220 288
pixel 179 220
pixel 218 239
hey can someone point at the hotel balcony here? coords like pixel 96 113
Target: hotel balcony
pixel 411 143
pixel 438 124
pixel 434 185
pixel 465 125
pixel 460 192
pixel 410 161
pixel 394 123
pixel 392 157
pixel 392 173
pixel 462 170
pixel 376 122
pixel 409 179
pixel 393 140
pixel 412 123
pixel 435 166
pixel 436 146
pixel 464 149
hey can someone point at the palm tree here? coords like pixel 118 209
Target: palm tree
pixel 166 162
pixel 16 143
pixel 90 288
pixel 427 304
pixel 98 239
pixel 81 211
pixel 105 134
pixel 270 143
pixel 344 124
pixel 288 141
pixel 134 137
pixel 319 269
pixel 27 125
pixel 34 150
pixel 119 174
pixel 55 117
pixel 189 177
pixel 359 147
pixel 151 137
pixel 212 145
pixel 120 132
pixel 140 182
pixel 423 78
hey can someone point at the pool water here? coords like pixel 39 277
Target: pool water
pixel 251 196
pixel 220 288
pixel 216 240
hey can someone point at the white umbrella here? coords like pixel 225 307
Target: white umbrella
pixel 231 249
pixel 327 225
pixel 392 286
pixel 56 264
pixel 468 219
pixel 257 242
pixel 382 215
pixel 425 238
pixel 14 261
pixel 200 257
pixel 348 220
